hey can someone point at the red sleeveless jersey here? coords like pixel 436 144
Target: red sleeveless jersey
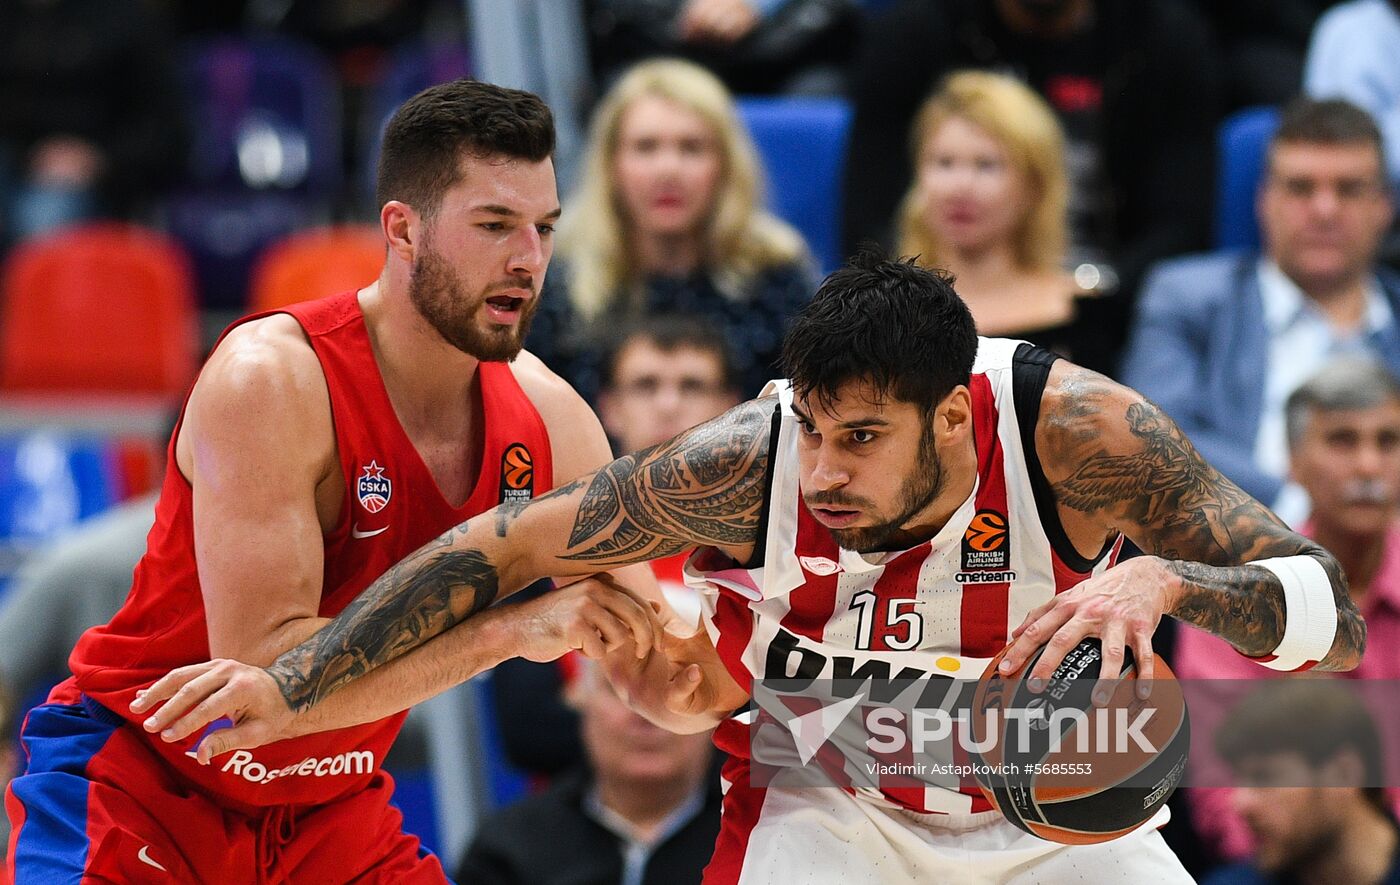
pixel 391 507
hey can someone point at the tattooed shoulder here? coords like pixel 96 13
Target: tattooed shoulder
pixel 704 487
pixel 1075 407
pixel 1114 453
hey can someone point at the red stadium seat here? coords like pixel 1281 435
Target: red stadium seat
pixel 98 310
pixel 315 263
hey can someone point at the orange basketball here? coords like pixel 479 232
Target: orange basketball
pixel 1063 769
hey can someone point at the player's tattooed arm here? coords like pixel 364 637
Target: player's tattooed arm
pixel 704 487
pixel 1117 460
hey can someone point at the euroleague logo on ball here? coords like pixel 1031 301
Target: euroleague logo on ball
pixel 374 488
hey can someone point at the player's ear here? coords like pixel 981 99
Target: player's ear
pixel 402 228
pixel 953 416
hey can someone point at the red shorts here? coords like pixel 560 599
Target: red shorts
pixel 96 804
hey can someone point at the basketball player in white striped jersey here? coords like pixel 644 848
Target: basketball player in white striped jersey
pixel 911 495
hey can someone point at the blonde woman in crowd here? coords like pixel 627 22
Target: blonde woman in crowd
pixel 989 203
pixel 668 218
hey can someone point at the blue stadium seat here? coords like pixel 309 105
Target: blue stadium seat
pixel 266 157
pixel 1242 143
pixel 266 115
pixel 802 142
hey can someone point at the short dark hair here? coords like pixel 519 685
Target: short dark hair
pixel 668 333
pixel 899 326
pixel 1330 121
pixel 428 135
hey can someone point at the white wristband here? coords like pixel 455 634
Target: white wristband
pixel 1310 613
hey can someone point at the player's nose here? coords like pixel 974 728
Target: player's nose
pixel 827 472
pixel 528 256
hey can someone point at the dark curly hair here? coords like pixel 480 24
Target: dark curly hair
pixel 892 323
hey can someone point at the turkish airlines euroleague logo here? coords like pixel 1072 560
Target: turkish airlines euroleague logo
pixel 517 474
pixel 986 543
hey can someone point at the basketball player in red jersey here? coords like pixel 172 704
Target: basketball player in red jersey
pixel 319 446
pixel 913 497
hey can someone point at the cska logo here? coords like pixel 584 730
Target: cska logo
pixel 374 488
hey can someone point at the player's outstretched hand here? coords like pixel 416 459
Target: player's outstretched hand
pixel 697 677
pixel 595 616
pixel 682 684
pixel 199 694
pixel 1122 607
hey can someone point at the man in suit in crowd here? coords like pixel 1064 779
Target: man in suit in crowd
pixel 1221 340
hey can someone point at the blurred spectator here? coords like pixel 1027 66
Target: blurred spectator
pixel 334 26
pixel 660 376
pixel 754 46
pixel 1222 340
pixel 1344 451
pixel 668 219
pixel 90 121
pixel 663 375
pixel 1136 85
pixel 1263 43
pixel 354 26
pixel 1355 55
pixel 1309 761
pixel 643 811
pixel 75 583
pixel 988 202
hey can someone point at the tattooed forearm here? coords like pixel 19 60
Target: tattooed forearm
pixel 508 512
pixel 417 599
pixel 703 487
pixel 1350 643
pixel 1123 464
pixel 1244 605
pixel 1241 604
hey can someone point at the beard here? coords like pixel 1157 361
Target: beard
pixel 439 298
pixel 917 491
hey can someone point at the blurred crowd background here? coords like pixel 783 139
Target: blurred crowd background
pixel 1193 197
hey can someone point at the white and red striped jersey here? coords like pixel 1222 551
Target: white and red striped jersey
pixel 945 606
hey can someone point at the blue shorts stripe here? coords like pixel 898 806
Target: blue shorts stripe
pixel 58 740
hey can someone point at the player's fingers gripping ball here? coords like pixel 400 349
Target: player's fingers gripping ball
pixel 1060 767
